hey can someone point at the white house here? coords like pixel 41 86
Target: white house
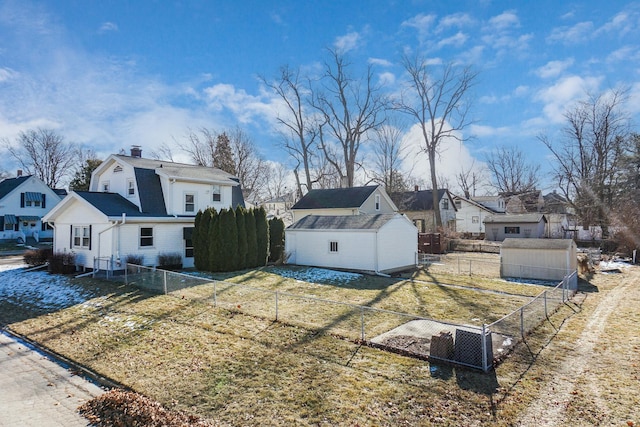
pixel 371 243
pixel 371 199
pixel 24 200
pixel 139 207
pixel 470 216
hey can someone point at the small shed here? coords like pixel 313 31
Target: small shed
pixel 501 226
pixel 542 259
pixel 373 243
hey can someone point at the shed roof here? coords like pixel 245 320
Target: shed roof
pixel 342 222
pixel 514 243
pixel 515 218
pixel 334 198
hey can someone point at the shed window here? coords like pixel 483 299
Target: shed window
pixel 512 230
pixel 188 248
pixel 146 236
pixel 217 195
pixel 333 246
pixel 475 219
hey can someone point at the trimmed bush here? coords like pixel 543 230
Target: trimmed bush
pixel 252 243
pixel 276 240
pixel 241 259
pixel 170 261
pixel 262 237
pixel 62 263
pixel 134 259
pixel 37 257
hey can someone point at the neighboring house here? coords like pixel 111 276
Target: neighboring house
pixel 470 216
pixel 24 200
pixel 541 259
pixel 500 226
pixel 280 207
pixel 417 205
pixel 495 203
pixel 555 203
pixel 140 207
pixel 371 243
pixel 525 202
pixel 344 201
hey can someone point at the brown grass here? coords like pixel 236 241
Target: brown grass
pixel 238 369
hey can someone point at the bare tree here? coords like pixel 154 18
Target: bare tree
pixel 511 171
pixel 469 180
pixel 276 180
pixel 588 160
pixel 389 153
pixel 437 102
pixel 250 167
pixel 43 153
pixel 299 128
pixel 164 152
pixel 200 146
pixel 350 108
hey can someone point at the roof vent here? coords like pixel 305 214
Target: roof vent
pixel 136 151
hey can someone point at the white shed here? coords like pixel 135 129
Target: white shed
pixel 375 243
pixel 543 259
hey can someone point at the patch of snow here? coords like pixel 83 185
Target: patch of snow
pixel 315 275
pixel 38 289
pixel 610 265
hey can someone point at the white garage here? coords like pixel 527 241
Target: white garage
pixel 372 243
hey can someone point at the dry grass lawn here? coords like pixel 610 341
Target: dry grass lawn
pixel 239 369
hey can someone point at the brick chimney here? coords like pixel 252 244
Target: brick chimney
pixel 416 188
pixel 19 173
pixel 136 151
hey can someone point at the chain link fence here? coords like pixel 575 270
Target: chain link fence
pixel 475 346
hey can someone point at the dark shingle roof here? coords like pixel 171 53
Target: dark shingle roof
pixel 9 184
pixel 237 199
pixel 344 222
pixel 113 204
pixel 335 198
pixel 150 192
pixel 416 200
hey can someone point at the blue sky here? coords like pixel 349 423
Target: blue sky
pixel 111 74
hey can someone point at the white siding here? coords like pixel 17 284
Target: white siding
pixel 465 218
pixel 369 205
pixel 167 238
pixel 397 244
pixel 175 196
pixel 542 263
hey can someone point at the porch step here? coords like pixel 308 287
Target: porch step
pixel 31 241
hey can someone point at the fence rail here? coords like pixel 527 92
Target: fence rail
pixel 475 346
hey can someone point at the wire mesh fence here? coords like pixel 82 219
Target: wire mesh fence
pixel 475 346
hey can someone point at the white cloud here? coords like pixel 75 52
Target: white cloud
pixel 521 90
pixel 565 91
pixel 621 24
pixel 458 20
pixel 422 23
pixel 578 33
pixel 486 131
pixel 507 19
pixel 387 78
pixel 554 68
pixel 381 62
pixel 347 42
pixel 625 53
pixel 456 40
pixel 7 74
pixel 108 26
pixel 244 106
pixel 500 34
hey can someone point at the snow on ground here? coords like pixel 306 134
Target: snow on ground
pixel 316 275
pixel 38 289
pixel 614 264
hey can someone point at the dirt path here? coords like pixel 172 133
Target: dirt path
pixel 550 407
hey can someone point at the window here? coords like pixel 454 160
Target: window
pixel 333 246
pixel 512 230
pixel 189 202
pixel 188 248
pixel 217 195
pixel 527 232
pixel 445 204
pixel 458 204
pixel 146 236
pixel 45 226
pixel 475 219
pixel 82 237
pixel 131 189
pixel 8 226
pixel 377 202
pixel 117 169
pixel 105 186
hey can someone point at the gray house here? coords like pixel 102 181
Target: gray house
pixel 501 226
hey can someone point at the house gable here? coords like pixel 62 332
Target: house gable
pixel 344 201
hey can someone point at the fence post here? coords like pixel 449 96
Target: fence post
pixel 546 314
pixel 362 323
pixel 126 270
pixel 215 293
pixel 93 273
pixel 469 267
pixel 485 364
pixel 458 264
pixel 276 306
pixel 522 321
pixel 164 279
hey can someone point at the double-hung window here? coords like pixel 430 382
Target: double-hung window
pixel 217 194
pixel 189 202
pixel 146 236
pixel 131 189
pixel 82 237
